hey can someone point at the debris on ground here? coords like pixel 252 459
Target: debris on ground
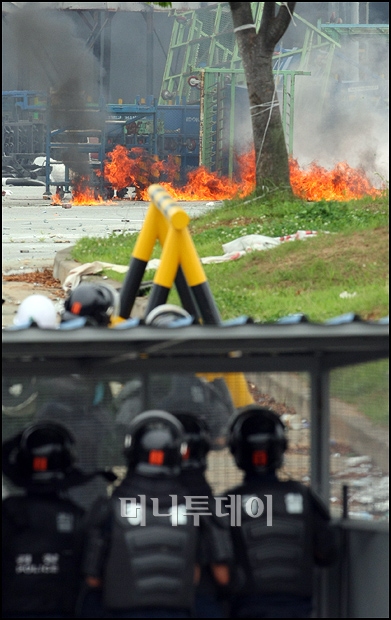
pixel 265 400
pixel 43 278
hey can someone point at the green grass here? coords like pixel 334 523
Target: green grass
pixel 366 386
pixel 350 254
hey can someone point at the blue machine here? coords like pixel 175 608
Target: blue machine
pixel 29 129
pixel 163 130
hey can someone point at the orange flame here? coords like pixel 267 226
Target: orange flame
pixel 342 183
pixel 83 194
pixel 205 185
pixel 137 168
pixel 56 199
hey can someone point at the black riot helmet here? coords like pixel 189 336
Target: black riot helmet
pixel 154 444
pixel 98 302
pixel 42 454
pixel 197 440
pixel 257 439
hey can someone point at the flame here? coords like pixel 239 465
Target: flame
pixel 205 185
pixel 342 183
pixel 56 199
pixel 83 193
pixel 137 168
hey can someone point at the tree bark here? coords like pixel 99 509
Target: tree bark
pixel 256 50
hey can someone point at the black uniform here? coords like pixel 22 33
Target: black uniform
pixel 147 570
pixel 43 530
pixel 42 545
pixel 275 551
pixel 280 530
pixel 144 543
pixel 209 596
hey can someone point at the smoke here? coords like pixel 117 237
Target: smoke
pixel 43 50
pixel 341 110
pixel 340 115
pixel 347 120
pixel 43 43
pixel 46 54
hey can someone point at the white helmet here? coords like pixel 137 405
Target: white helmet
pixel 37 309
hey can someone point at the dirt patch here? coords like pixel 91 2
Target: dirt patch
pixel 16 287
pixel 43 278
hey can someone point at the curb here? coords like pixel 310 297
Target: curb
pixel 63 263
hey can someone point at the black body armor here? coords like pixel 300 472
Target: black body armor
pixel 42 540
pixel 149 565
pixel 277 549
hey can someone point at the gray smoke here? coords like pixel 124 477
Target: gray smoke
pixel 342 115
pixel 44 43
pixel 350 123
pixel 47 55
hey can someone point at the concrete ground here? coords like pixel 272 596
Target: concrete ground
pixel 34 230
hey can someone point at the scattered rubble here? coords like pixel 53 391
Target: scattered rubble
pixel 42 278
pixel 368 485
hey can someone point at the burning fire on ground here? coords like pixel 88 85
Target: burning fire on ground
pixel 138 169
pixel 82 193
pixel 342 183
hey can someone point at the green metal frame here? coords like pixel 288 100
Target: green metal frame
pixel 219 123
pixel 338 31
pixel 203 43
pixel 197 44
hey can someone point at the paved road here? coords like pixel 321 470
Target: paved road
pixel 34 230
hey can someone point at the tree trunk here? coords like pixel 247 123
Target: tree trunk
pixel 256 49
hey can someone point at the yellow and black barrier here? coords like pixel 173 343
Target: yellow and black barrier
pixel 155 228
pixel 179 251
pixel 167 222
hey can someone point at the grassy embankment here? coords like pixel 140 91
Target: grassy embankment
pixel 349 254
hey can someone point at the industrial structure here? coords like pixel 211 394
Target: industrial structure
pixel 202 80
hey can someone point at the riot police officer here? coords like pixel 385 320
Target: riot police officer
pixel 283 529
pixel 42 530
pixel 143 549
pixel 210 594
